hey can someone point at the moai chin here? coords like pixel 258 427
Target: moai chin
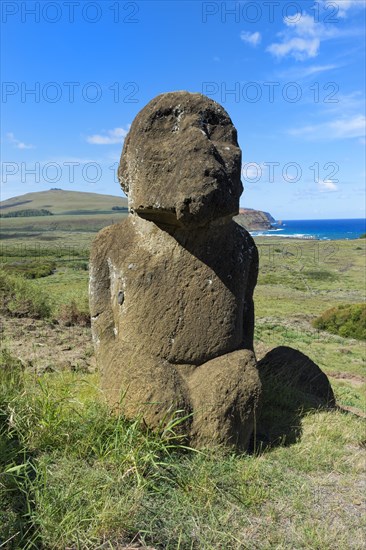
pixel 171 287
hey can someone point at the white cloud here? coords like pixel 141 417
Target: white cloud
pixel 110 137
pixel 317 69
pixel 342 128
pixel 252 38
pixel 299 48
pixel 303 72
pixel 342 7
pixel 18 144
pixel 346 105
pixel 353 127
pixel 301 38
pixel 326 186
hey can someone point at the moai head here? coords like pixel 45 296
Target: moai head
pixel 181 162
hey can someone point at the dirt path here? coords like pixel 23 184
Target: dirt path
pixel 353 379
pixel 44 346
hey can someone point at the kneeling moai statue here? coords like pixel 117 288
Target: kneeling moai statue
pixel 171 286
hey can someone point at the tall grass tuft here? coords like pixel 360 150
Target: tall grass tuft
pixel 72 471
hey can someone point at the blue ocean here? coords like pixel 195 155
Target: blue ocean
pixel 316 229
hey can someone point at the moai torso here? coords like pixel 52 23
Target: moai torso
pixel 182 306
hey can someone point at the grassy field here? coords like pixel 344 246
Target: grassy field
pixel 36 226
pixel 74 476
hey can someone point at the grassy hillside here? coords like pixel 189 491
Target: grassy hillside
pixel 76 217
pixel 64 202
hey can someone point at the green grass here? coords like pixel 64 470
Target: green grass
pixel 34 226
pixel 76 476
pixel 90 213
pixel 308 276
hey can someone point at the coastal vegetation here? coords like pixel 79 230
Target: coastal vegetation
pixel 346 320
pixel 26 213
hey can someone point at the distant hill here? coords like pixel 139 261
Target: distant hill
pixel 58 201
pixel 68 208
pixel 254 219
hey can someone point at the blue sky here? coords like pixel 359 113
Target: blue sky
pixel 290 74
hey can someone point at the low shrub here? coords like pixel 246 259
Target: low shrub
pixel 31 269
pixel 80 266
pixel 321 275
pixel 22 298
pixel 348 321
pixel 27 213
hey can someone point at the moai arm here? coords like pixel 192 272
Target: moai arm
pixel 248 324
pixel 99 288
pixel 225 391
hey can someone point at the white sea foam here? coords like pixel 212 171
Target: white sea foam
pixel 302 236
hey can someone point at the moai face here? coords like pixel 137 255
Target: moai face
pixel 181 162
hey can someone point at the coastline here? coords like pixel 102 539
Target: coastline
pixel 315 230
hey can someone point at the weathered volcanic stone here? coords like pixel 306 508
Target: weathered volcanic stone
pixel 171 287
pixel 291 369
pixel 224 405
pixel 181 161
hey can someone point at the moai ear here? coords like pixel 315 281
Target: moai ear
pixel 123 168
